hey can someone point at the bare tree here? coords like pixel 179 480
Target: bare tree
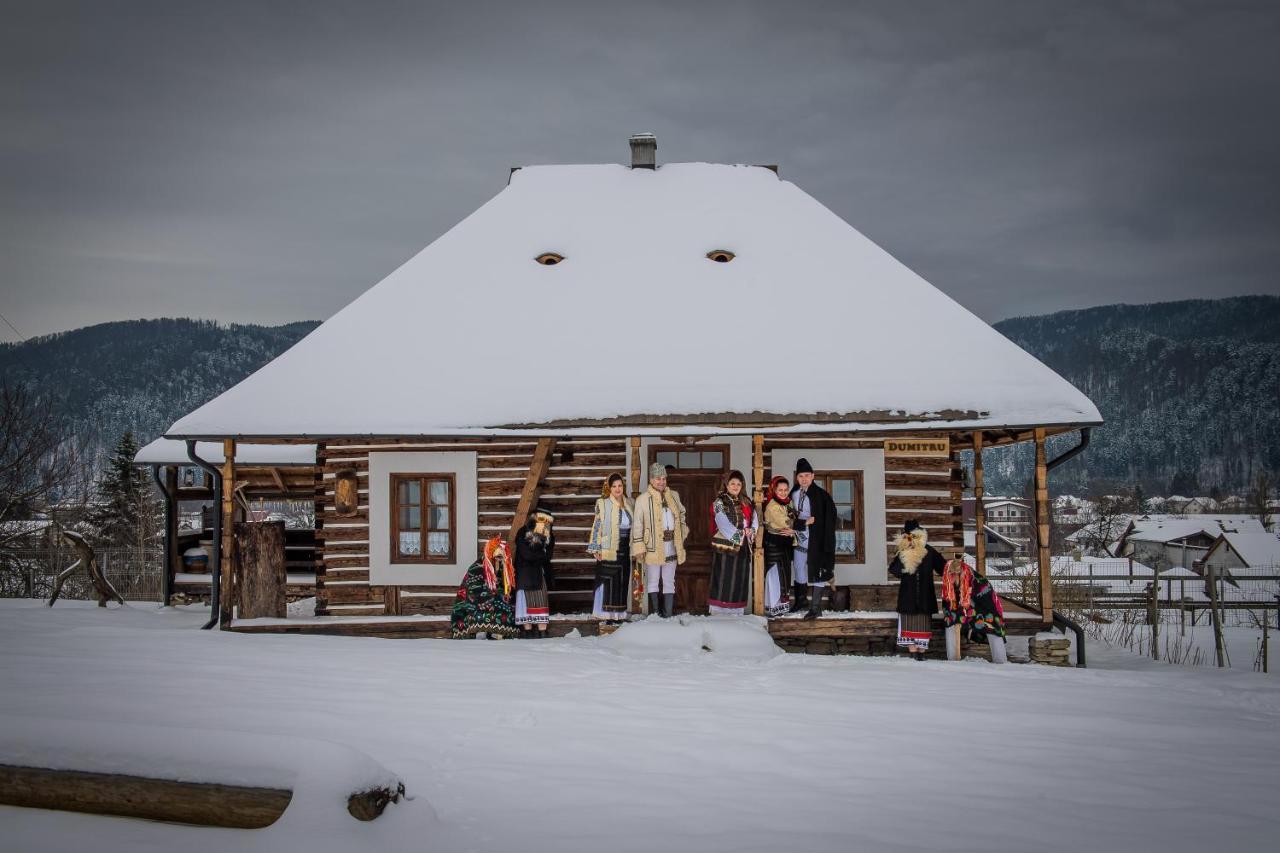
pixel 38 463
pixel 1259 499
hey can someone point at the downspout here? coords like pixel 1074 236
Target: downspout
pixel 1059 620
pixel 216 557
pixel 166 582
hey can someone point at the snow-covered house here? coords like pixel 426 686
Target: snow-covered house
pixel 1164 540
pixel 600 318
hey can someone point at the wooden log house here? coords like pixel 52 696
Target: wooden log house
pixel 592 319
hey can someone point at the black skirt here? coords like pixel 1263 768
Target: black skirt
pixel 615 576
pixel 730 578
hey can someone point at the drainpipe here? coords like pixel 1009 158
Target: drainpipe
pixel 166 582
pixel 1059 620
pixel 216 557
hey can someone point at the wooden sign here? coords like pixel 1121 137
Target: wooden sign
pixel 933 448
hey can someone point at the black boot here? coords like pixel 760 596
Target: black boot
pixel 815 603
pixel 799 597
pixel 653 604
pixel 668 605
pixel 917 655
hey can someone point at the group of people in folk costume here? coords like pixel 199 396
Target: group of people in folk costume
pixel 796 531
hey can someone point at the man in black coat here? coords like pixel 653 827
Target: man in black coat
pixel 815 558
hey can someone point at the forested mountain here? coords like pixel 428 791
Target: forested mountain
pixel 1190 390
pixel 141 374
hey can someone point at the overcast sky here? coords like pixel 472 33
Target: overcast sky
pixel 266 162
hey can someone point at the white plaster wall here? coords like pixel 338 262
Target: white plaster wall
pixel 871 463
pixel 462 464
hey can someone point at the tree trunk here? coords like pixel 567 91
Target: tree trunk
pixel 261 586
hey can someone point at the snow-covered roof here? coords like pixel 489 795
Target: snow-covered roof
pixel 1169 528
pixel 167 451
pixel 1258 550
pixel 472 335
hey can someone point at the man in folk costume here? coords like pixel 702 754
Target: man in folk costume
pixel 972 611
pixel 814 563
pixel 535 544
pixel 658 531
pixel 483 607
pixel 914 566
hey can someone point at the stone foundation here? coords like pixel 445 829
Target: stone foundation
pixel 1055 651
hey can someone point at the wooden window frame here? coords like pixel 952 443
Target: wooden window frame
pixel 824 479
pixel 425 557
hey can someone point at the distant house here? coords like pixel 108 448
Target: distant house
pixel 1164 541
pixel 1253 550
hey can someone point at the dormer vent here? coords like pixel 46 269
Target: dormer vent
pixel 720 256
pixel 644 151
pixel 549 259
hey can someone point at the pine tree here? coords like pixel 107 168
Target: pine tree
pixel 127 513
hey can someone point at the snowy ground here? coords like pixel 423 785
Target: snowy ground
pixel 644 741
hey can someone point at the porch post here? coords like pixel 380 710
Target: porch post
pixel 226 594
pixel 639 601
pixel 979 510
pixel 757 553
pixel 1042 529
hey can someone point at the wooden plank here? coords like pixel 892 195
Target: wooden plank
pixel 260 557
pixel 1042 524
pixel 979 508
pixel 196 803
pixel 757 554
pixel 226 592
pixel 532 485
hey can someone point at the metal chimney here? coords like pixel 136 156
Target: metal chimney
pixel 644 151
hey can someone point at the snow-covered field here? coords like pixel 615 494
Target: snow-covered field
pixel 644 741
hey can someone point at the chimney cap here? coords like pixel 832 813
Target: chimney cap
pixel 644 148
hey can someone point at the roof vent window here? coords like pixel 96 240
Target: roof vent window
pixel 549 259
pixel 720 256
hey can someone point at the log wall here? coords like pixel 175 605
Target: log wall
pixel 928 489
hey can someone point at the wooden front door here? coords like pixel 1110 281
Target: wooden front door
pixel 696 474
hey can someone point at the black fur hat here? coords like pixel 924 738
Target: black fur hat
pixel 910 526
pixel 803 466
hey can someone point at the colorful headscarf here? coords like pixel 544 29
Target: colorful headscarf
pixel 497 547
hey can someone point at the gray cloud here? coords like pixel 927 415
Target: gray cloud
pixel 269 162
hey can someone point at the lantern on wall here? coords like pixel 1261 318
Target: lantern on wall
pixel 346 493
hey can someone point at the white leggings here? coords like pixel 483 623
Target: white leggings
pixel 667 573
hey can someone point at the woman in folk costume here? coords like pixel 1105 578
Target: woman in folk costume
pixel 915 565
pixel 534 546
pixel 658 530
pixel 734 526
pixel 484 599
pixel 972 608
pixel 610 544
pixel 779 545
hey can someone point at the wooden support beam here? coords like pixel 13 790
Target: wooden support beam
pixel 275 475
pixel 639 601
pixel 757 553
pixel 1042 528
pixel 979 508
pixel 171 526
pixel 226 594
pixel 532 485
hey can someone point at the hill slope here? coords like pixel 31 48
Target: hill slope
pixel 1190 390
pixel 142 374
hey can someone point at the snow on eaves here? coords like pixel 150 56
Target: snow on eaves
pixel 471 335
pixel 167 451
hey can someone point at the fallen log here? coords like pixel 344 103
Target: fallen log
pixel 196 803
